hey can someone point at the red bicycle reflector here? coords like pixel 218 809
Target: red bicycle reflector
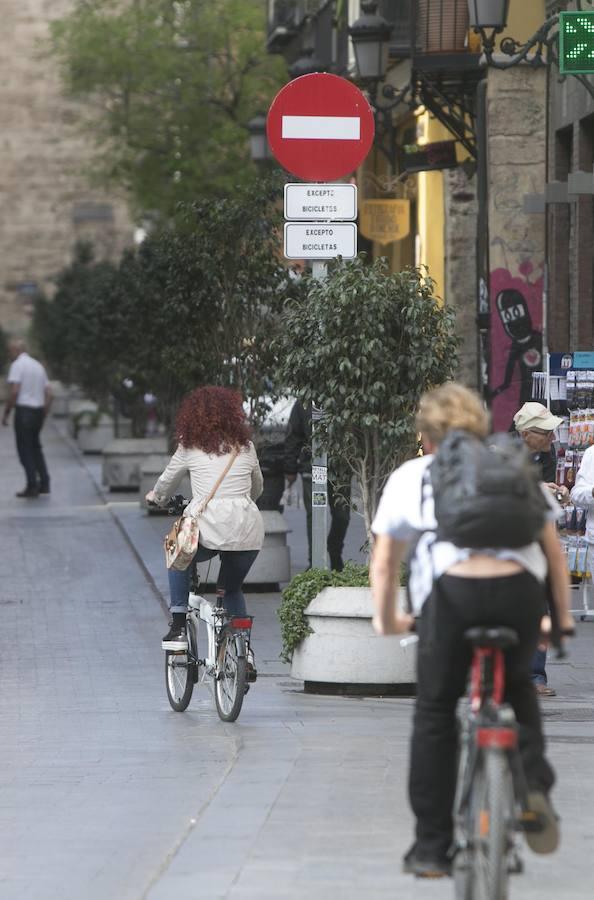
pixel 501 738
pixel 241 623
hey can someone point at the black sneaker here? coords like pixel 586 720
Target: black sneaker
pixel 540 823
pixel 44 489
pixel 425 868
pixel 28 493
pixel 252 672
pixel 175 639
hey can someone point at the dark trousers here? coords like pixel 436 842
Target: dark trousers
pixel 444 658
pixel 235 565
pixel 539 672
pixel 339 500
pixel 28 422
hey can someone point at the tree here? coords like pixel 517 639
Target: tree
pixel 363 345
pixel 197 303
pixel 211 292
pixel 168 89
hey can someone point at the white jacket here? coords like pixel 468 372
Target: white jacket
pixel 581 493
pixel 231 521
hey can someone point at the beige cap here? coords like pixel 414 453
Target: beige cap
pixel 535 415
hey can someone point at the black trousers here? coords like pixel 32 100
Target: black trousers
pixel 28 422
pixel 443 662
pixel 339 501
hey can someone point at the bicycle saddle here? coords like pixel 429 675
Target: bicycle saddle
pixel 492 637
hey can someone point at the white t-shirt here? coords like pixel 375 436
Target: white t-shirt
pixel 404 514
pixel 31 378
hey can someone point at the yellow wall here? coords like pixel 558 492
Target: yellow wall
pixel 524 18
pixel 430 207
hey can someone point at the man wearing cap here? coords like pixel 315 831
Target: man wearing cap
pixel 536 426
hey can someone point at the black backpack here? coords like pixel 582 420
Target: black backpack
pixel 486 493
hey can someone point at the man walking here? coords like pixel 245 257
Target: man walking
pixel 30 395
pixel 536 426
pixel 298 460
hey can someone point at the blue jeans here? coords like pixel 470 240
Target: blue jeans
pixel 235 564
pixel 539 661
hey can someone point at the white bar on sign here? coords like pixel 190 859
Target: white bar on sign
pixel 322 128
pixel 319 240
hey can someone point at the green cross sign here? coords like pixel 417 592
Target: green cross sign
pixel 576 43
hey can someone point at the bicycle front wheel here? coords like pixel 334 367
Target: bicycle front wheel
pixel 230 679
pixel 179 679
pixel 492 814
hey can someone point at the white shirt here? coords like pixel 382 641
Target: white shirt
pixel 581 493
pixel 31 378
pixel 404 515
pixel 231 521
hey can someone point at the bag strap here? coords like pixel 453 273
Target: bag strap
pixel 219 480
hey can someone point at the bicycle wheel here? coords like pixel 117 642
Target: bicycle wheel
pixel 492 822
pixel 179 679
pixel 230 679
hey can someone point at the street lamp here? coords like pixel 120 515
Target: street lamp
pixel 370 35
pixel 307 64
pixel 488 14
pixel 259 149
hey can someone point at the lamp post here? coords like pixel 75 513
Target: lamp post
pixel 370 35
pixel 259 149
pixel 307 64
pixel 488 18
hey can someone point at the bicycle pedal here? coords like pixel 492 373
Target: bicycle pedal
pixel 515 865
pixel 531 822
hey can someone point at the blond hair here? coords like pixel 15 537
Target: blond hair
pixel 451 406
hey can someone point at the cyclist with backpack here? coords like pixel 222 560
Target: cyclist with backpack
pixel 484 538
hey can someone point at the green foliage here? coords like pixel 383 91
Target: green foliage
pixel 301 591
pixel 168 89
pixel 197 303
pixel 84 330
pixel 363 344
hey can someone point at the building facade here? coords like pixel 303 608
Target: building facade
pixel 46 201
pixel 468 223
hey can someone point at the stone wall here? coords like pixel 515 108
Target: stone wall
pixel 46 202
pixel 516 138
pixel 460 267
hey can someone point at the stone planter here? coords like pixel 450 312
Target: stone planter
pixel 60 399
pixel 273 563
pixel 150 469
pixel 78 410
pixel 123 459
pixel 344 654
pixel 93 436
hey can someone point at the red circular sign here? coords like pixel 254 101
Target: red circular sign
pixel 320 127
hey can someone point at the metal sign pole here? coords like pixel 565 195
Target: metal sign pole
pixel 319 475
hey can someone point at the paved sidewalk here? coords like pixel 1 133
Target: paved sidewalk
pixel 105 792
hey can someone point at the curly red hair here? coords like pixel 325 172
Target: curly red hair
pixel 212 419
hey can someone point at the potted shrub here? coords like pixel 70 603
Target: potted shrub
pixel 363 344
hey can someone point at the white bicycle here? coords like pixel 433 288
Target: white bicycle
pixel 226 660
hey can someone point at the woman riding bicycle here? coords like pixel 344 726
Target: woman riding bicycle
pixel 211 427
pixel 454 589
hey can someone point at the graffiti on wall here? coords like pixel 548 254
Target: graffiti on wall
pixel 516 339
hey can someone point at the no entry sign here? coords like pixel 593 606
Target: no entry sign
pixel 320 127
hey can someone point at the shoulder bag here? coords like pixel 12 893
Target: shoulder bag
pixel 181 543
